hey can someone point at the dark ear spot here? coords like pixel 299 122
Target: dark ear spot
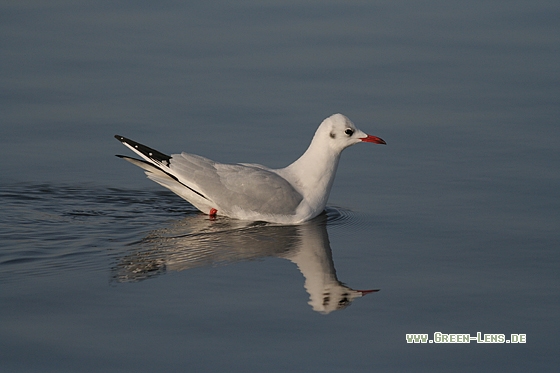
pixel 326 299
pixel 333 135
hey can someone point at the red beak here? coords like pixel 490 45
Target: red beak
pixel 364 292
pixel 373 139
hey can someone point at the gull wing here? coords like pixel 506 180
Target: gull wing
pixel 236 186
pixel 230 188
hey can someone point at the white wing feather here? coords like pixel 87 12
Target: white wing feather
pixel 248 187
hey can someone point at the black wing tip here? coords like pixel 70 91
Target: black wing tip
pixel 125 140
pixel 156 155
pixel 147 151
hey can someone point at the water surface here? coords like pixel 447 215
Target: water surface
pixel 455 221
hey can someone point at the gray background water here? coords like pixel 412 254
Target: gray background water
pixel 455 220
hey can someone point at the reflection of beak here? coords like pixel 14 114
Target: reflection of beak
pixel 364 292
pixel 373 139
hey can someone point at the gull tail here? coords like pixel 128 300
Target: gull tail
pixel 156 166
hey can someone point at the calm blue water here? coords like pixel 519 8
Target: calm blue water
pixel 455 221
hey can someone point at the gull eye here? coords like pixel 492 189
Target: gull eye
pixel 349 132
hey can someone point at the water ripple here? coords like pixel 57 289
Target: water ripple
pixel 72 226
pixel 340 217
pixel 49 227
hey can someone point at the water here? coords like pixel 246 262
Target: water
pixel 455 221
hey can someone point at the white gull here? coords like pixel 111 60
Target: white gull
pixel 289 195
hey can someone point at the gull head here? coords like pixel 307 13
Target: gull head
pixel 338 132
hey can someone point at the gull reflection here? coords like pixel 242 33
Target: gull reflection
pixel 199 242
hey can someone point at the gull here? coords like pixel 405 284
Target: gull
pixel 248 191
